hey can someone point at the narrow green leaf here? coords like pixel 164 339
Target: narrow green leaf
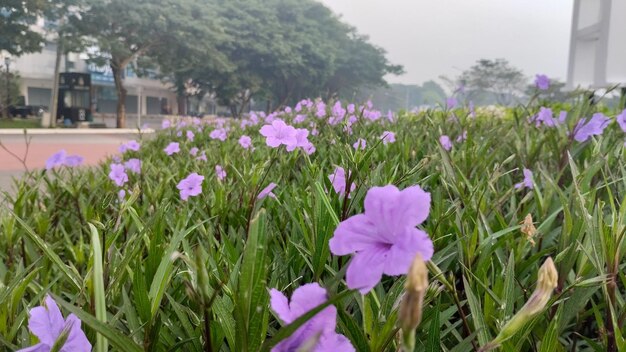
pixel 118 341
pixel 98 286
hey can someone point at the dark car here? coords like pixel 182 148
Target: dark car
pixel 25 111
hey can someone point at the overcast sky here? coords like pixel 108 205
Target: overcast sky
pixel 434 37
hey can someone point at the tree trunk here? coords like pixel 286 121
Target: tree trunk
pixel 120 121
pixel 233 110
pixel 182 104
pixel 268 107
pixel 54 101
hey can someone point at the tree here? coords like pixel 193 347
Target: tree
pixel 16 17
pixel 13 98
pixel 491 81
pixel 124 31
pixel 359 65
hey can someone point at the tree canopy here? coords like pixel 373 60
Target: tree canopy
pixel 277 51
pixel 16 18
pixel 490 81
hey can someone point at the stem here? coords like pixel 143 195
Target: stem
pixel 207 332
pixel 466 327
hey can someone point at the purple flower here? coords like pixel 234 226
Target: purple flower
pixel 245 142
pixel 202 156
pixel 133 165
pixel 528 180
pixel 621 120
pixel 267 191
pixel 302 139
pixel 193 151
pixel 545 116
pixel 461 137
pixel 388 137
pixel 321 109
pixel 451 103
pixel 130 145
pixel 445 142
pixel 220 173
pixel 338 180
pixel 471 109
pixel 172 148
pixel 288 110
pixel 190 186
pixel 390 116
pixel 190 136
pixel 47 323
pixel 320 326
pixel 279 133
pixel 309 148
pixel 57 159
pixel 384 239
pixel 596 125
pixel 73 160
pixel 118 174
pixel 121 194
pixel 219 133
pixel 542 82
pixel 350 108
pixel 359 144
pixel 166 124
pixel 299 118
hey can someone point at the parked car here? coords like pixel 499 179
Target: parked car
pixel 25 111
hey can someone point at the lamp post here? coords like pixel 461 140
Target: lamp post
pixel 7 63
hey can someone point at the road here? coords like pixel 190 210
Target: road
pixel 92 147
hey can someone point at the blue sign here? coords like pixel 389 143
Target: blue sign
pixel 100 74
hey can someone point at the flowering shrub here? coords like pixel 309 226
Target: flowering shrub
pixel 328 226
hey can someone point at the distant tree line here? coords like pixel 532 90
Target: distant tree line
pixel 276 51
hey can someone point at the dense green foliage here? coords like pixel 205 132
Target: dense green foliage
pixel 188 275
pixel 279 51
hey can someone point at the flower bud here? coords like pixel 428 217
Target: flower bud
pixel 410 313
pixel 529 229
pixel 546 283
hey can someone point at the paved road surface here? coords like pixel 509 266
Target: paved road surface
pixel 93 148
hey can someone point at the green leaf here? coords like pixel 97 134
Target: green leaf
pixel 477 314
pixel 70 274
pixel 162 276
pixel 252 298
pixel 98 286
pixel 118 341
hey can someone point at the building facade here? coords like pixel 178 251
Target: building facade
pixel 146 96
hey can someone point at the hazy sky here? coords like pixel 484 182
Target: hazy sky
pixel 434 37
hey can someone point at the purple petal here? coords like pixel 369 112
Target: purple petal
pixel 354 234
pixel 40 347
pixel 46 322
pixel 334 342
pixel 366 269
pixel 307 297
pixel 76 341
pixel 280 305
pixel 413 205
pixel 402 252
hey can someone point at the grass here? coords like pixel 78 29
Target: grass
pixel 19 123
pixel 194 275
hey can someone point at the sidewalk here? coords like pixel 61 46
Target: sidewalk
pixel 94 145
pixel 74 131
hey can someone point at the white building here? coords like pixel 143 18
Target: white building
pixel 597 57
pixel 145 96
